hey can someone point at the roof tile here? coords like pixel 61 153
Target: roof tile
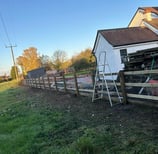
pixel 128 36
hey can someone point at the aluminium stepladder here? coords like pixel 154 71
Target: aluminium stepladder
pixel 101 84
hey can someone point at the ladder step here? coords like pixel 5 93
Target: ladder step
pixel 103 64
pixel 101 87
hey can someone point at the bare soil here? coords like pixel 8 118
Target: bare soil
pixel 129 120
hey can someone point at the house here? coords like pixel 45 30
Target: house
pixel 145 16
pixel 116 44
pixel 36 73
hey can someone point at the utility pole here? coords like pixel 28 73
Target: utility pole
pixel 15 68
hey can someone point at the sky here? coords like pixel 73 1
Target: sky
pixel 50 25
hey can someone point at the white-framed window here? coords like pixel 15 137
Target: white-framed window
pixel 123 55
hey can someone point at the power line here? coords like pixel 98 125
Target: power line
pixel 10 46
pixel 5 29
pixel 2 40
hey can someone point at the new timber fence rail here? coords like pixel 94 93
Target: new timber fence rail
pixel 139 87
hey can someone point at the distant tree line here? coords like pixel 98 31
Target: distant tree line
pixel 31 59
pixel 83 60
pixel 59 60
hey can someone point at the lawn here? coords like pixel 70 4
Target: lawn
pixel 35 121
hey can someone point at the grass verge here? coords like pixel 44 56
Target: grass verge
pixel 35 122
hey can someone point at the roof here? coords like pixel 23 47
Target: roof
pixel 146 10
pixel 150 9
pixel 36 73
pixel 153 22
pixel 128 36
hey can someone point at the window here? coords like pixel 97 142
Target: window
pixel 123 55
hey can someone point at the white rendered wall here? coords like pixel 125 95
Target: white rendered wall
pixel 102 47
pixel 113 54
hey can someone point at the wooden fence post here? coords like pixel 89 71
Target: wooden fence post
pixel 64 82
pixel 39 82
pixel 76 83
pixel 55 80
pixel 44 87
pixel 31 82
pixel 48 83
pixel 123 87
pixel 93 73
pixel 26 81
pixel 36 82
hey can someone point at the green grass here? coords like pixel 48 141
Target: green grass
pixel 23 126
pixel 7 85
pixel 28 125
pixel 8 92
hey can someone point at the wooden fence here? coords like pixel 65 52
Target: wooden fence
pixel 134 86
pixel 64 83
pixel 143 92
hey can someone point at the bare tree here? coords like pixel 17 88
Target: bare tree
pixel 46 62
pixel 58 59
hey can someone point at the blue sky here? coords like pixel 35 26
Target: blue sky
pixel 69 25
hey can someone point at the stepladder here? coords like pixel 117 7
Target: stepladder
pixel 104 83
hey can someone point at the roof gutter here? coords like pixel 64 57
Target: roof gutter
pixel 134 45
pixel 151 27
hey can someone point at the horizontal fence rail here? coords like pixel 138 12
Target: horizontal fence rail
pixel 68 83
pixel 142 91
pixel 134 86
